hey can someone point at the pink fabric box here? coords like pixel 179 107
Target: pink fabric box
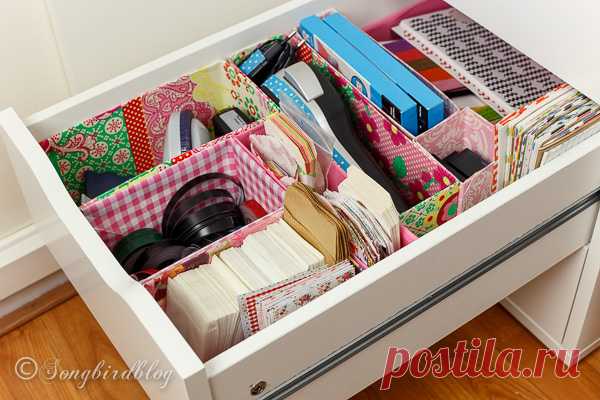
pixel 466 130
pixel 141 205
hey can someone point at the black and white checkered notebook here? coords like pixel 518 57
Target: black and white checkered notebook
pixel 494 70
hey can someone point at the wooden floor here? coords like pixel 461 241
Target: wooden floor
pixel 69 333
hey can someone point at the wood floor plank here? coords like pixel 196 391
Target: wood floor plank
pixel 37 307
pixel 70 334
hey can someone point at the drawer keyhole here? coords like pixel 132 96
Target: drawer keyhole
pixel 258 388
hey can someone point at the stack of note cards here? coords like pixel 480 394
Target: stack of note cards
pixel 264 307
pixel 365 190
pixel 289 152
pixel 203 305
pixel 204 302
pixel 274 254
pixel 543 130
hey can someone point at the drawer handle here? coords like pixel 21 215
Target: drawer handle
pixel 258 388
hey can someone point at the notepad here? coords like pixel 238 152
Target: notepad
pixel 501 75
pixel 264 307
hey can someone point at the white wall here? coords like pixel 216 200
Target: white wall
pixel 101 39
pixel 57 48
pixel 31 75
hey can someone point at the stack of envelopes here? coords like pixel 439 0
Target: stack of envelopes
pixel 369 243
pixel 317 222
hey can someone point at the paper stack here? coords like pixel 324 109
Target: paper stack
pixel 543 130
pixel 317 222
pixel 264 307
pixel 365 190
pixel 204 302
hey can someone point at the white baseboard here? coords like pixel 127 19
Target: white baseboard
pixel 32 292
pixel 543 336
pixel 531 324
pixel 24 260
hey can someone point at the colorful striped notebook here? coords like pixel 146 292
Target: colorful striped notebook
pixel 439 77
pixel 424 66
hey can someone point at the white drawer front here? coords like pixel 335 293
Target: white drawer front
pixel 141 331
pixel 406 277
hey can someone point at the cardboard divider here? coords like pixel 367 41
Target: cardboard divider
pixel 334 173
pixel 128 139
pixel 157 284
pixel 422 181
pixel 419 175
pixel 434 192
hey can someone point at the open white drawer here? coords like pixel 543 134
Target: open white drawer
pixel 337 344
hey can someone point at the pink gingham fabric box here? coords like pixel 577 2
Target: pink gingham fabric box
pixel 141 205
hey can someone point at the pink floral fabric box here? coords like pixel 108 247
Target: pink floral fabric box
pixel 424 183
pixel 434 192
pixel 466 130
